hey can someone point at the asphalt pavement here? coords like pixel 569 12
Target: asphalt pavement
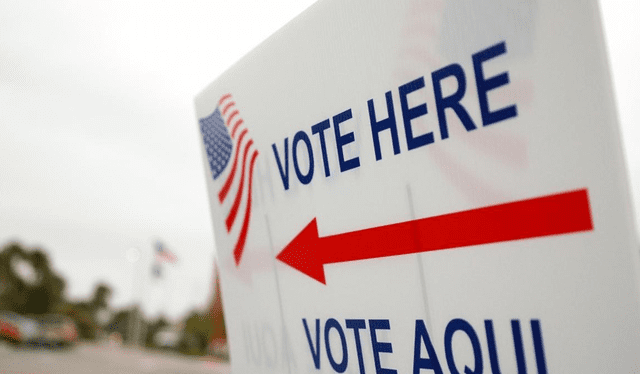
pixel 102 358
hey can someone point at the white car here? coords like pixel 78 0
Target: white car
pixel 166 338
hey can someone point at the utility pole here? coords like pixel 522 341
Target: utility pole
pixel 135 319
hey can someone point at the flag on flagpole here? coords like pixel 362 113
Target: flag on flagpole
pixel 225 135
pixel 162 254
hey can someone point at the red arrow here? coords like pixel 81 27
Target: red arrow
pixel 555 214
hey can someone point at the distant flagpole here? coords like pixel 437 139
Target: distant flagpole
pixel 136 326
pixel 162 255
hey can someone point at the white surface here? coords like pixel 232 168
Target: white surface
pixel 582 287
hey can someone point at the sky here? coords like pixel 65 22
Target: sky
pixel 99 145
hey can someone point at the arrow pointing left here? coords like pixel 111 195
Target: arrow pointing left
pixel 556 214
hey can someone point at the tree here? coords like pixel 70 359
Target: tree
pixel 197 329
pixel 153 329
pixel 101 297
pixel 13 295
pixel 86 314
pixel 29 285
pixel 120 323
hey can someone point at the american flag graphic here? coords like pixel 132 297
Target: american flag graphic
pixel 226 141
pixel 164 255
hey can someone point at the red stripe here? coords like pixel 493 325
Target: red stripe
pixel 223 98
pixel 227 184
pixel 167 257
pixel 235 113
pixel 236 203
pixel 242 239
pixel 557 214
pixel 226 108
pixel 235 128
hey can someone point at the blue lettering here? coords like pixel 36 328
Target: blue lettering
pixel 486 85
pixel 380 347
pixel 342 140
pixel 315 353
pixel 419 363
pixel 284 171
pixel 304 178
pixel 538 346
pixel 519 347
pixel 491 342
pixel 464 326
pixel 357 325
pixel 319 129
pixel 411 113
pixel 342 366
pixel 388 123
pixel 430 361
pixel 452 101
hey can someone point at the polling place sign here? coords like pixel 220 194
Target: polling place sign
pixel 431 186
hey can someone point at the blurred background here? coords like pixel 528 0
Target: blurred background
pixel 100 166
pixel 104 217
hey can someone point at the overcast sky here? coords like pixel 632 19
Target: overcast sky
pixel 98 139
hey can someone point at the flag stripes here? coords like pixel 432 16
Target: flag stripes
pixel 227 184
pixel 236 202
pixel 245 154
pixel 237 251
pixel 235 128
pixel 163 254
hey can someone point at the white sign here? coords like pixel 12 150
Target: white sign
pixel 431 186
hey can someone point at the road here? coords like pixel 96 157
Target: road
pixel 106 358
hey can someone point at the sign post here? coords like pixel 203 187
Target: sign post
pixel 432 186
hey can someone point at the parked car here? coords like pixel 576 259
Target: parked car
pixel 55 330
pixel 44 330
pixel 9 327
pixel 167 338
